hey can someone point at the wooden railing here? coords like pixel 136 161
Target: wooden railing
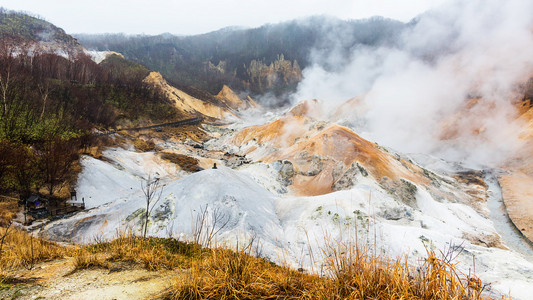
pixel 68 208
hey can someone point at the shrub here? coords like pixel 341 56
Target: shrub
pixel 144 145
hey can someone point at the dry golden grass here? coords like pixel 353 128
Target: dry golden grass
pixel 152 253
pixel 228 274
pixel 8 210
pixel 20 249
pixel 352 274
pixel 182 133
pixel 144 145
pixel 219 273
pixel 187 163
pixel 83 259
pixel 355 274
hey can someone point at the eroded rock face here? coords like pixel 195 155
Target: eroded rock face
pixel 348 179
pixel 66 232
pixel 396 213
pixel 402 190
pixel 309 165
pixel 235 161
pixel 322 153
pixel 163 212
pixel 230 98
pixel 185 103
pixel 286 171
pixel 281 72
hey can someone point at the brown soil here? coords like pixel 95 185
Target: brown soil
pixel 186 163
pixel 517 191
pixel 517 184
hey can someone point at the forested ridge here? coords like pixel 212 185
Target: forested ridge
pixel 50 102
pixel 259 60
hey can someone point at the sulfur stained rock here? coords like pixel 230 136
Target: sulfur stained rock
pixel 286 171
pixel 402 190
pixel 309 165
pixel 396 213
pixel 348 178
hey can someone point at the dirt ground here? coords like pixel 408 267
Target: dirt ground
pixel 517 182
pixel 517 189
pixel 57 280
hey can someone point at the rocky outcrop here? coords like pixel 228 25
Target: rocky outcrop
pixel 286 171
pixel 219 68
pixel 402 190
pixel 280 73
pixel 232 100
pixel 348 179
pixel 309 108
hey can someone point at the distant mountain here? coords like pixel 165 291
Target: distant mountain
pixel 260 60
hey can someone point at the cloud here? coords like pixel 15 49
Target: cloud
pixel 420 92
pixel 194 17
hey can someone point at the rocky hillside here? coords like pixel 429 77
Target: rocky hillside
pixel 219 107
pixel 28 28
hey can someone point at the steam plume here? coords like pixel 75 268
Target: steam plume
pixel 420 92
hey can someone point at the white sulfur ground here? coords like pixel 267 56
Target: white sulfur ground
pixel 98 56
pixel 287 228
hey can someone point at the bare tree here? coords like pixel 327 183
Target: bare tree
pixel 44 90
pixel 25 168
pixel 208 224
pixel 152 191
pixel 56 159
pixel 7 55
pixel 6 154
pixel 13 54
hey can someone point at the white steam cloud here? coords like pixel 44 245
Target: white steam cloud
pixel 419 94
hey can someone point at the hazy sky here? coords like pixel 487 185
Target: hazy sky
pixel 199 16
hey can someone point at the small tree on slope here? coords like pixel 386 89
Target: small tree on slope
pixel 152 191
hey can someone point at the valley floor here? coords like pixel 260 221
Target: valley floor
pixel 391 204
